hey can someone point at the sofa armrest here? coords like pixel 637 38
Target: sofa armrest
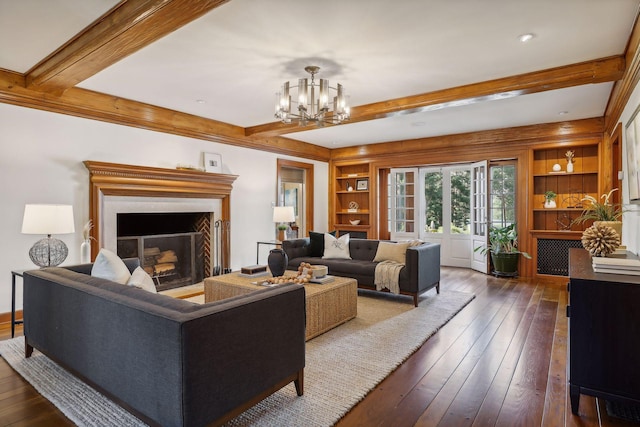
pixel 423 266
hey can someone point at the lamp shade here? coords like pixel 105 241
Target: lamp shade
pixel 48 219
pixel 283 214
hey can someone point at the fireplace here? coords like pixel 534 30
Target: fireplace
pixel 160 215
pixel 171 246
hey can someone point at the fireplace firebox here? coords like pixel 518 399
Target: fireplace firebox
pixel 171 246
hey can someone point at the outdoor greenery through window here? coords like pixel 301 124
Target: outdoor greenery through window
pixel 502 198
pixel 433 201
pixel 461 202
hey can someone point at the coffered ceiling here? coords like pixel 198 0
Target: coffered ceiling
pixel 413 68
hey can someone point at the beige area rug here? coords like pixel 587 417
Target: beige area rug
pixel 342 366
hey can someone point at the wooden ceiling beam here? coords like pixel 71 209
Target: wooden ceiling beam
pixel 126 28
pixel 521 135
pixel 107 108
pixel 597 71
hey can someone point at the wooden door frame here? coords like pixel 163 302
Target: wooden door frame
pixel 308 185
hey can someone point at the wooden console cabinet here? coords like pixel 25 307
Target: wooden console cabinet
pixel 604 333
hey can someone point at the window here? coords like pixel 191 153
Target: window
pixel 502 195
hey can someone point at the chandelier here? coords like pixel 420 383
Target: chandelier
pixel 313 102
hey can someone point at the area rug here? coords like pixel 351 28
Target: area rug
pixel 342 366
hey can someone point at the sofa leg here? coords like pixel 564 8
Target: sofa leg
pixel 28 350
pixel 438 288
pixel 299 383
pixel 415 299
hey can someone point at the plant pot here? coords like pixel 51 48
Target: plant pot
pixel 616 225
pixel 550 204
pixel 505 264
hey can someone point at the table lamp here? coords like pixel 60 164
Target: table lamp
pixel 48 219
pixel 283 215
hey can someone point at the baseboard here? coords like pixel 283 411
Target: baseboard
pixel 6 317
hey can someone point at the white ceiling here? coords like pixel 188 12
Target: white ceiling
pixel 236 57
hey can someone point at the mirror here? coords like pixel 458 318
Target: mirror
pixel 295 188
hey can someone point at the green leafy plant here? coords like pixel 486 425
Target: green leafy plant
pixel 550 195
pixel 502 240
pixel 600 211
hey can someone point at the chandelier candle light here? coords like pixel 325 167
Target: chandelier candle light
pixel 313 102
pixel 48 220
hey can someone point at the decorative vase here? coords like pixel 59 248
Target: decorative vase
pixel 85 252
pixel 570 167
pixel 550 204
pixel 277 262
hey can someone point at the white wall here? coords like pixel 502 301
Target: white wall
pixel 41 162
pixel 631 218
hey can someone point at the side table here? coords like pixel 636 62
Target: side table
pixel 275 243
pixel 14 322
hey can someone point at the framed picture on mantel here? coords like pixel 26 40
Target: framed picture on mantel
pixel 213 162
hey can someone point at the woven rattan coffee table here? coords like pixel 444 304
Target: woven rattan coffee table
pixel 328 305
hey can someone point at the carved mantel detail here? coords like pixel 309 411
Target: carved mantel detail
pixel 112 179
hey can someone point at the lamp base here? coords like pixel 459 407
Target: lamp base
pixel 48 252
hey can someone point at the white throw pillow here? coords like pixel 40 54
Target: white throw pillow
pixel 109 266
pixel 140 279
pixel 336 248
pixel 389 251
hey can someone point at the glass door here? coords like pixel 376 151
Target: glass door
pixel 403 215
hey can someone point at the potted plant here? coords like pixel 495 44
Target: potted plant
pixel 503 248
pixel 550 199
pixel 602 212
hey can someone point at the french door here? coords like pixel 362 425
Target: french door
pixel 446 205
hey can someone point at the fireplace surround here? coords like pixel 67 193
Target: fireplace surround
pixel 116 188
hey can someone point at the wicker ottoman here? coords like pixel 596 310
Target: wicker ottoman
pixel 328 305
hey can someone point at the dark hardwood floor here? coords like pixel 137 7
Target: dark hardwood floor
pixel 500 361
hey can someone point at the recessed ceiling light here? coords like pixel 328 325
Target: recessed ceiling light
pixel 201 101
pixel 526 37
pixel 563 113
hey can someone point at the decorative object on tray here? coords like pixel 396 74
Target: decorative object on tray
pixel 277 261
pixel 550 199
pixel 354 221
pixel 569 155
pixel 85 246
pixel 353 206
pixel 318 271
pixel 304 275
pixel 254 271
pixel 602 211
pixel 600 240
pixel 557 168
